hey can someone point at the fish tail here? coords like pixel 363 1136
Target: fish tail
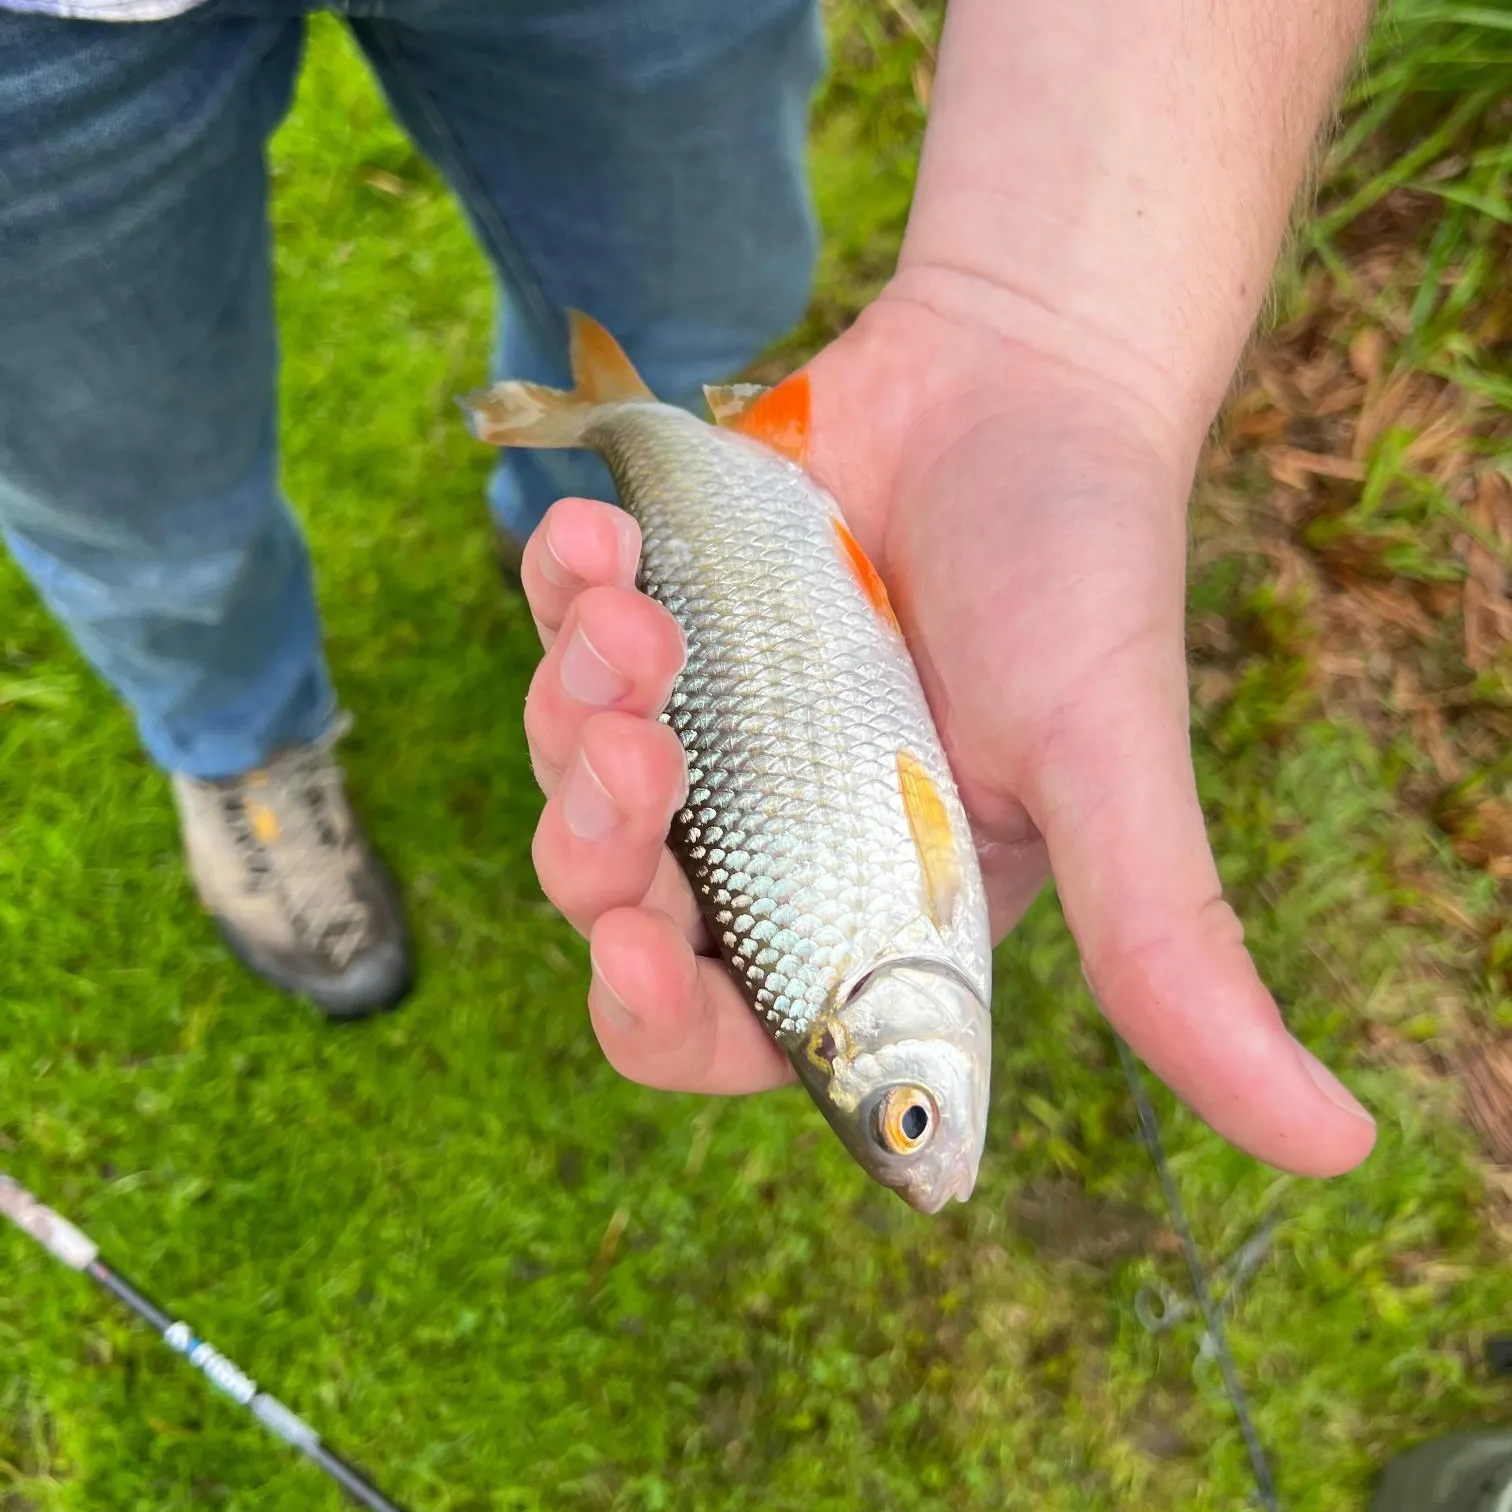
pixel 531 414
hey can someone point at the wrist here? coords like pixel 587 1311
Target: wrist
pixel 1014 350
pixel 1115 178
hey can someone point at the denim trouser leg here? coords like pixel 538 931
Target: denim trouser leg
pixel 137 365
pixel 641 160
pixel 638 159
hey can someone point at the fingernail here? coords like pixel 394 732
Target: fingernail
pixel 680 798
pixel 590 813
pixel 587 677
pixel 1329 1084
pixel 629 544
pixel 553 568
pixel 610 1006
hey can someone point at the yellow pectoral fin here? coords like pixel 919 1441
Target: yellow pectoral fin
pixel 933 838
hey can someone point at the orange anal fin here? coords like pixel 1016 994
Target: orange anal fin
pixel 779 418
pixel 929 823
pixel 865 574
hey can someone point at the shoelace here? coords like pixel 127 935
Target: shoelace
pixel 300 794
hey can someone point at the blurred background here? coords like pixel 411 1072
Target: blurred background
pixel 504 1279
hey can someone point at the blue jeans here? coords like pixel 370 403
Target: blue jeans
pixel 639 159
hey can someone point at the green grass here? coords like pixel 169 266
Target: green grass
pixel 407 1228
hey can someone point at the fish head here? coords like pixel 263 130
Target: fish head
pixel 901 1071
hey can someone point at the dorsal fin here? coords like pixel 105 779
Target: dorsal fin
pixel 601 373
pixel 777 417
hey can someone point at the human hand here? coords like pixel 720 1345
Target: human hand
pixel 1029 518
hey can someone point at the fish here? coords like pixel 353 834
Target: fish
pixel 823 832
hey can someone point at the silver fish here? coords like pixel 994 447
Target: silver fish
pixel 823 833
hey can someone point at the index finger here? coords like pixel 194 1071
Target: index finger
pixel 581 543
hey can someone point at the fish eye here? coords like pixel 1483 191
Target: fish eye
pixel 906 1119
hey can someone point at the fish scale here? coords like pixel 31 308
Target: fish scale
pixel 792 706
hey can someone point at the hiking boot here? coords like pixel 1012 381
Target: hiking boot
pixel 510 550
pixel 1465 1472
pixel 300 898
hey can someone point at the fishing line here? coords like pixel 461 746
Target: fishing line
pixel 1211 1314
pixel 79 1252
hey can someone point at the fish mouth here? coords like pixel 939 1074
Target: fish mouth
pixel 958 1185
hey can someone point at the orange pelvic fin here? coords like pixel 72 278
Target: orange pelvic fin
pixel 865 574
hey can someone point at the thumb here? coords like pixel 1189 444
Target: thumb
pixel 1163 953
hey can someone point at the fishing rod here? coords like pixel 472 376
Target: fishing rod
pixel 79 1252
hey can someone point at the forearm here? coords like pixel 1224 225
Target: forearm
pixel 1114 178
